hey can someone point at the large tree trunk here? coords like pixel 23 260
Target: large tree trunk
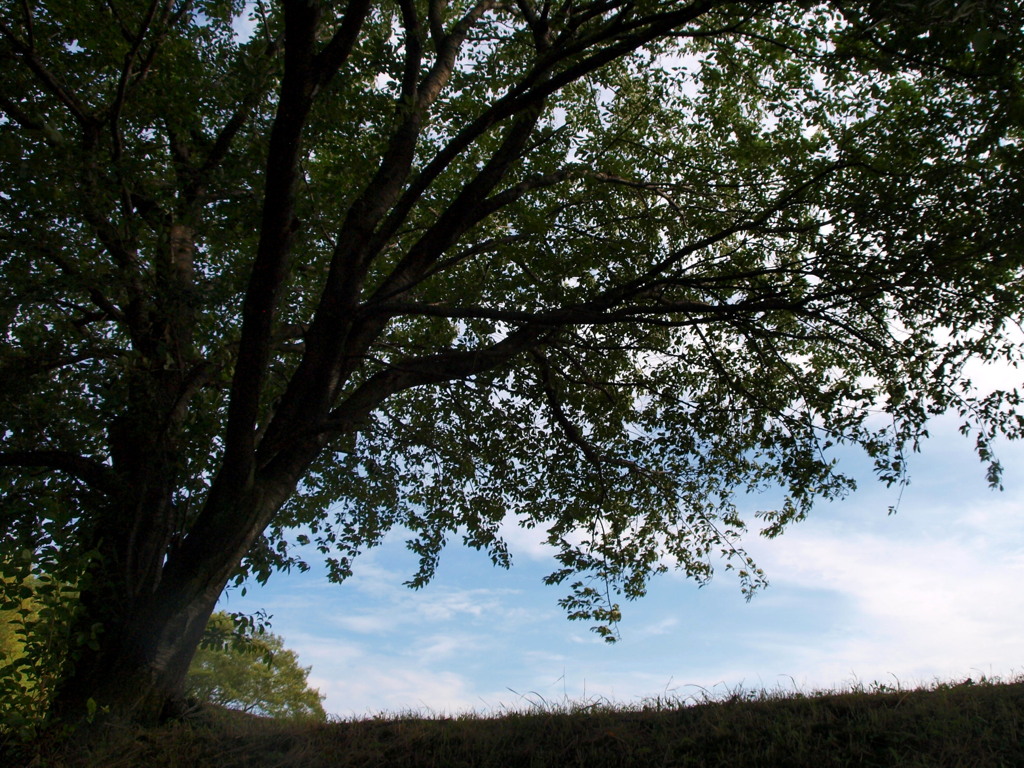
pixel 138 670
pixel 147 627
pixel 145 646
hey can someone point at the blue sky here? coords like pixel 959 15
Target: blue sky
pixel 856 596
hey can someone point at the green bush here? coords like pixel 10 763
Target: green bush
pixel 39 639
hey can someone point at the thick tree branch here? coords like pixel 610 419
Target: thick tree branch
pixel 484 246
pixel 435 20
pixel 108 307
pixel 422 371
pixel 568 428
pixel 337 51
pixel 122 27
pixel 35 364
pixel 22 118
pixel 26 9
pixel 277 231
pixel 661 312
pixel 413 53
pixel 439 74
pixel 222 144
pixel 748 224
pixel 94 474
pixel 469 207
pixel 538 24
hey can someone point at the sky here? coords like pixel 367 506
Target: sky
pixel 856 597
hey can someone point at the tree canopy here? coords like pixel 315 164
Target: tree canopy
pixel 303 272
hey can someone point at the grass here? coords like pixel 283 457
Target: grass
pixel 975 724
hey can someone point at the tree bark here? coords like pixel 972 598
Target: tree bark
pixel 147 643
pixel 138 673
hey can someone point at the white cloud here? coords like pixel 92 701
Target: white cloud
pixel 939 598
pixel 360 678
pixel 369 624
pixel 383 687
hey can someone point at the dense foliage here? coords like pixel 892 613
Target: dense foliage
pixel 308 271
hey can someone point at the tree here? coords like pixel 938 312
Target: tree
pixel 596 267
pixel 253 673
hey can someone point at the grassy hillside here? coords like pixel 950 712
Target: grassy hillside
pixel 976 724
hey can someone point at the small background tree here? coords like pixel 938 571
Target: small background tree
pixel 251 671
